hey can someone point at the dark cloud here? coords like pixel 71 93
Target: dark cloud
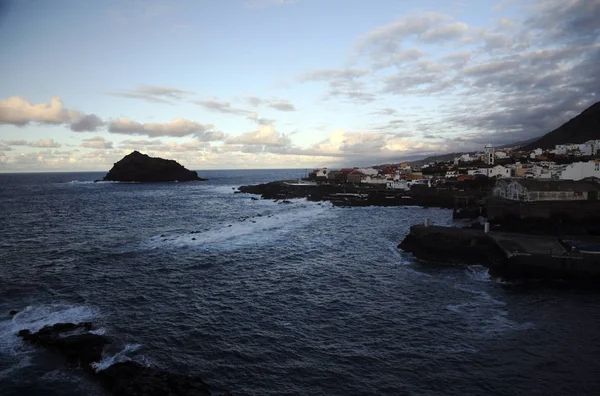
pixel 88 123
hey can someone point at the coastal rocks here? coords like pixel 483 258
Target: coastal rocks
pixel 138 167
pixel 131 378
pixel 13 312
pixel 79 346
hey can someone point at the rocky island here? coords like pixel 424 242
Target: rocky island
pixel 138 167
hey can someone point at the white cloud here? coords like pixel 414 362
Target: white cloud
pixel 451 31
pixel 19 111
pixel 177 127
pixel 97 142
pixel 266 135
pixel 154 93
pixel 221 107
pixel 41 143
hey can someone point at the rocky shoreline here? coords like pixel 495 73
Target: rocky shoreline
pixel 351 195
pixel 79 346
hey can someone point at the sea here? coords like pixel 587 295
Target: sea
pixel 259 297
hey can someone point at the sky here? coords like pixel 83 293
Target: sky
pixel 250 84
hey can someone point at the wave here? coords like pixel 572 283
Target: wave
pixel 34 318
pixel 120 356
pixel 258 230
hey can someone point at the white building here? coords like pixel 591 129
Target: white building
pixel 500 155
pixel 397 185
pixel 369 171
pixel 499 171
pixel 374 180
pixel 488 155
pixel 580 170
pixel 450 174
pixel 321 173
pixel 536 152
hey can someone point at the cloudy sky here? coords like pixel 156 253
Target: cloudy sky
pixel 286 83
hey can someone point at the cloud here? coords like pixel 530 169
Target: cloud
pixel 384 112
pixel 261 121
pixel 343 83
pixel 266 135
pixel 87 123
pixel 282 105
pixel 177 127
pixel 448 32
pixel 221 107
pixel 42 143
pixel 97 142
pixel 19 111
pixel 389 38
pixel 274 103
pixel 154 94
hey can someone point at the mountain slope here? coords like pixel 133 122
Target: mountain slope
pixel 584 127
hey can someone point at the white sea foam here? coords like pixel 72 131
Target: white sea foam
pixel 259 230
pixel 120 356
pixel 34 318
pixel 485 314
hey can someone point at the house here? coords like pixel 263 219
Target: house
pixel 320 174
pixel 375 180
pixel 369 171
pixel 450 174
pixel 499 171
pixel 355 176
pixel 535 153
pixel 534 190
pixel 581 170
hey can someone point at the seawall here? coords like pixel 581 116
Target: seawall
pixel 507 255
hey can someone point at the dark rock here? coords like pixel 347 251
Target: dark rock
pixel 131 378
pixel 254 198
pixel 77 348
pixel 138 167
pixel 120 379
pixel 13 312
pixel 193 239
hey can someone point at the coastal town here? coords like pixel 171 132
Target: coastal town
pixel 575 162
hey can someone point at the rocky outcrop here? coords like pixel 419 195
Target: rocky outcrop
pixel 79 346
pixel 138 167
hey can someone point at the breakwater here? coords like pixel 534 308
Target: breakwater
pixel 507 255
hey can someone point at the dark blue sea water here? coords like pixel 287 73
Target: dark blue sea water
pixel 262 298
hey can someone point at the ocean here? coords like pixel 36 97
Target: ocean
pixel 265 298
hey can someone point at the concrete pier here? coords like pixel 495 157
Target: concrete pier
pixel 507 255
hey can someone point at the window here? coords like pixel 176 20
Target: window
pixel 597 166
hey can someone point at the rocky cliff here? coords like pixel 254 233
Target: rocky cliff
pixel 138 167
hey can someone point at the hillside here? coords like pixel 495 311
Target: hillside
pixel 584 127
